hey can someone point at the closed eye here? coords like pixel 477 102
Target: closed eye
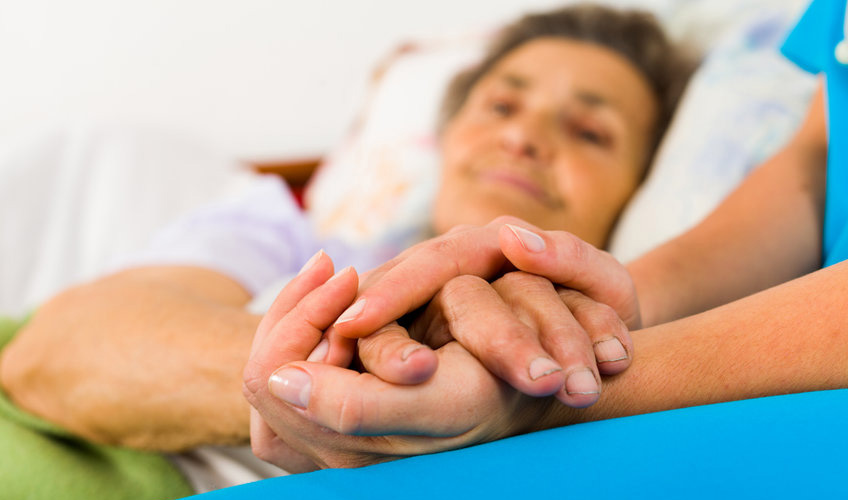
pixel 502 108
pixel 590 133
pixel 590 136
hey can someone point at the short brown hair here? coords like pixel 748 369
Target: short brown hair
pixel 634 34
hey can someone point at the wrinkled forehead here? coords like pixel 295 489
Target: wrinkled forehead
pixel 565 70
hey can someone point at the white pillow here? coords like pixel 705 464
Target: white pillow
pixel 379 184
pixel 742 104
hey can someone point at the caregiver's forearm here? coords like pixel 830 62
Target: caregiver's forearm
pixel 765 233
pixel 791 338
pixel 149 358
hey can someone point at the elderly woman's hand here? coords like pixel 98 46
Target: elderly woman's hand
pixel 513 323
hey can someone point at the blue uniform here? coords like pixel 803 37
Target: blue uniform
pixel 811 45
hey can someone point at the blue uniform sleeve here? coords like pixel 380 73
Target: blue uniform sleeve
pixel 810 44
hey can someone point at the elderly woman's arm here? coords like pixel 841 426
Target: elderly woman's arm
pixel 149 358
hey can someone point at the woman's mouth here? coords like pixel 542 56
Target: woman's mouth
pixel 519 182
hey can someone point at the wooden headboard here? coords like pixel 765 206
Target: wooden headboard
pixel 295 172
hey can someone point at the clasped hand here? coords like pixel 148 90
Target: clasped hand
pixel 469 360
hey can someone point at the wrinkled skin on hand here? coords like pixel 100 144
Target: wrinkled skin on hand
pixel 410 399
pixel 520 330
pixel 347 419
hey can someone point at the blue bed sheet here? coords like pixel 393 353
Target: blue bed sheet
pixel 792 446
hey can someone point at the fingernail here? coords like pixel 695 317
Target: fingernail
pixel 311 262
pixel 610 350
pixel 320 352
pixel 292 386
pixel 540 367
pixel 340 273
pixel 531 241
pixel 352 312
pixel 408 351
pixel 581 382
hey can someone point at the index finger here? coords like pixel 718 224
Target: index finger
pixel 297 333
pixel 413 278
pixel 317 270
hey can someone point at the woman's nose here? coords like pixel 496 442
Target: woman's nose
pixel 525 138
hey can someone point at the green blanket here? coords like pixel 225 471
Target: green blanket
pixel 42 461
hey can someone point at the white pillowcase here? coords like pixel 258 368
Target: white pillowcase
pixel 378 186
pixel 742 104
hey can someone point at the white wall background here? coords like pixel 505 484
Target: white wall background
pixel 253 78
pixel 256 78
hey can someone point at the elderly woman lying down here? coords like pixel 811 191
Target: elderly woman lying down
pixel 556 126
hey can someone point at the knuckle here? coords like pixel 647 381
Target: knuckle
pixel 573 254
pixel 445 244
pixel 463 284
pixel 351 415
pixel 577 248
pixel 447 250
pixel 306 310
pixel 574 342
pixel 595 317
pixel 501 345
pixel 603 318
pixel 526 291
pixel 510 280
pixel 254 380
pixel 523 279
pixel 369 347
pixel 458 292
pixel 378 347
pixel 597 309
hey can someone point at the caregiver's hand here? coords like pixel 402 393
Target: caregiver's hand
pixel 530 364
pixel 329 415
pixel 291 331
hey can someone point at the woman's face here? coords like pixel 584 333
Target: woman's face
pixel 557 133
